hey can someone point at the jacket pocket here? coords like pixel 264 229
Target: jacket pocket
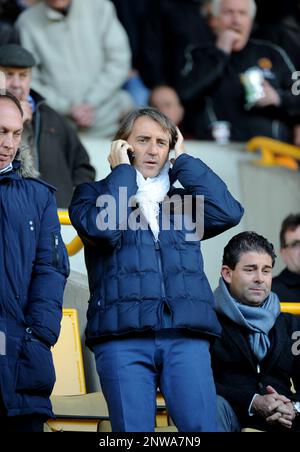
pixel 35 373
pixel 96 307
pixel 60 258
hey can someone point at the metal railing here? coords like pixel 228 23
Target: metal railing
pixel 292 308
pixel 275 153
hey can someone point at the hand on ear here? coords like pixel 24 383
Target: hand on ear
pixel 179 146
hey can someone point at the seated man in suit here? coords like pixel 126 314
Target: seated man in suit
pixel 258 353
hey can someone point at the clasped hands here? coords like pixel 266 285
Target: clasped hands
pixel 274 408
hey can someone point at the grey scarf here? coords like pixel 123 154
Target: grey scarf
pixel 258 320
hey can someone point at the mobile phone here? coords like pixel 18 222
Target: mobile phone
pixel 174 138
pixel 130 156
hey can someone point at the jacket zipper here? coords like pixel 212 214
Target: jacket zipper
pixel 55 251
pixel 162 283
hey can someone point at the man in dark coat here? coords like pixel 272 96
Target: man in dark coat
pixel 287 284
pixel 258 353
pixel 57 152
pixel 214 84
pixel 151 313
pixel 34 267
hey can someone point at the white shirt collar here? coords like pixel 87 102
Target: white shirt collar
pixel 6 169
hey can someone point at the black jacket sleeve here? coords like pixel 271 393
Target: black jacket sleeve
pixel 77 157
pixel 204 66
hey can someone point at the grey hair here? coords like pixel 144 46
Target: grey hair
pixel 165 123
pixel 216 4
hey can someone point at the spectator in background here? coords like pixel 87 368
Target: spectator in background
pixel 169 27
pixel 34 267
pixel 211 87
pixel 287 284
pixel 131 14
pixel 83 59
pixel 254 361
pixel 286 33
pixel 55 149
pixel 165 99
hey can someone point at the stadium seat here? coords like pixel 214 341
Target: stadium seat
pixel 74 408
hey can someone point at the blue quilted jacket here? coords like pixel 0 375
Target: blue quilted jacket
pixel 132 279
pixel 34 266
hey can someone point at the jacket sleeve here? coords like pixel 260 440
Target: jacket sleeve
pixel 51 268
pixel 76 155
pixel 238 398
pixel 28 40
pixel 221 210
pixel 204 66
pixel 99 210
pixel 117 65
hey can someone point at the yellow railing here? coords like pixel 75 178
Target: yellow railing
pixel 76 244
pixel 275 153
pixel 292 308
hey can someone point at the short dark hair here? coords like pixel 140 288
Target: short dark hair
pixel 243 243
pixel 290 223
pixel 4 94
pixel 152 113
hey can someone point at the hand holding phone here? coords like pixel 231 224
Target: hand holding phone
pixel 120 152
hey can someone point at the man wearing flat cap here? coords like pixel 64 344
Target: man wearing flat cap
pixel 57 153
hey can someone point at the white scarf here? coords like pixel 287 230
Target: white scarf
pixel 151 192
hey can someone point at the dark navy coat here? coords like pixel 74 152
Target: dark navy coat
pixel 237 373
pixel 132 279
pixel 34 266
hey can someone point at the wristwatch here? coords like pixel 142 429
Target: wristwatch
pixel 296 406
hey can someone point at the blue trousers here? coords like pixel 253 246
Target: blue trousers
pixel 226 417
pixel 131 370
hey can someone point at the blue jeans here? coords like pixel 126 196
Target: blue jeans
pixel 131 369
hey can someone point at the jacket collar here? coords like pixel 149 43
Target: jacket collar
pixel 38 99
pixel 11 175
pixel 290 278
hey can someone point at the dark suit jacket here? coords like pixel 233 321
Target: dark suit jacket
pixel 287 286
pixel 237 374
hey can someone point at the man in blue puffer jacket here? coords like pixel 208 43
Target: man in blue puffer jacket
pixel 151 312
pixel 34 267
